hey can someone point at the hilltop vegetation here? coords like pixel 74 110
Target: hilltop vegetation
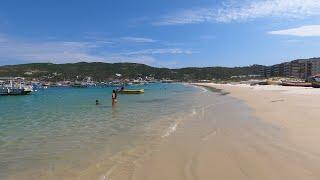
pixel 105 71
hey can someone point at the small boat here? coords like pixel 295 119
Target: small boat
pixel 131 91
pixel 297 84
pixel 14 90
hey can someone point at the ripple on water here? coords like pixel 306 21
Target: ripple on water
pixel 63 129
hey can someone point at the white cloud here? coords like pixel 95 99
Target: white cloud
pixel 63 52
pixel 303 31
pixel 244 10
pixel 21 50
pixel 159 51
pixel 138 39
pixel 192 16
pixel 57 51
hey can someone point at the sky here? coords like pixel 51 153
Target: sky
pixel 161 33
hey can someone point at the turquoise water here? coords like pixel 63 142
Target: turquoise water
pixel 60 132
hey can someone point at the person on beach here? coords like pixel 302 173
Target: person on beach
pixel 97 102
pixel 114 97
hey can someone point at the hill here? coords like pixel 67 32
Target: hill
pixel 103 71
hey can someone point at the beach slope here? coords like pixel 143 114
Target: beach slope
pixel 242 135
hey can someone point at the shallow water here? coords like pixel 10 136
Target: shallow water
pixel 61 133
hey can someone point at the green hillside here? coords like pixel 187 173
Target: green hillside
pixel 105 71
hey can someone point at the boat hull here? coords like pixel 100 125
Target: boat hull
pixel 140 91
pixel 14 92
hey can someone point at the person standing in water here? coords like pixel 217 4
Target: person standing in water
pixel 114 97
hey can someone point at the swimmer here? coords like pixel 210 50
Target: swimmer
pixel 114 97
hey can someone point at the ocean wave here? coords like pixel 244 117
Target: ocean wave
pixel 203 89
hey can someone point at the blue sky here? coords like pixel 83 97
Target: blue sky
pixel 166 33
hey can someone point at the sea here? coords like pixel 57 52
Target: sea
pixel 60 133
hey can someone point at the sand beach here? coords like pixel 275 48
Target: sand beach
pixel 213 131
pixel 261 132
pixel 293 108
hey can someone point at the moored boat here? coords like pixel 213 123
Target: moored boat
pixel 131 91
pixel 14 91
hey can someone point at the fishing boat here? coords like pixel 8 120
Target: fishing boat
pixel 6 91
pixel 12 90
pixel 131 91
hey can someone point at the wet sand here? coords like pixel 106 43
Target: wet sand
pixel 247 134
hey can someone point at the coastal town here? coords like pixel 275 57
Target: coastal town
pixel 23 86
pixel 299 73
pixel 303 69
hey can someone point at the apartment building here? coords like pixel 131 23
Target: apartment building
pixel 315 66
pixel 302 68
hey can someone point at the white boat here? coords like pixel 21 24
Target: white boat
pixel 7 90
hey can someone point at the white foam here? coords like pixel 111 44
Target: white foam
pixel 104 177
pixel 194 112
pixel 170 130
pixel 204 90
pixel 208 136
pixel 107 175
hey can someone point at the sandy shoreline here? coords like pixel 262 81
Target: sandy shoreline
pixel 252 133
pixel 237 132
pixel 294 108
